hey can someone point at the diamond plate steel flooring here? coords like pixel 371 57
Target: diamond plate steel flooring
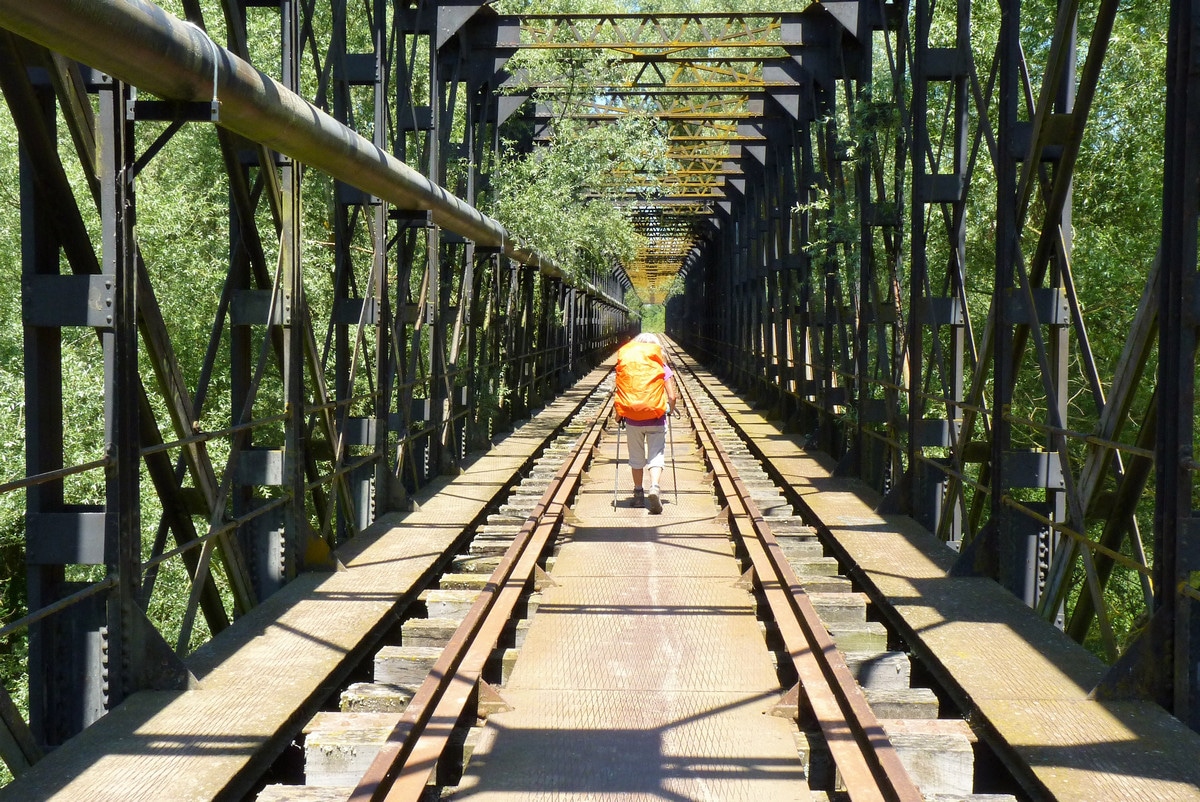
pixel 644 675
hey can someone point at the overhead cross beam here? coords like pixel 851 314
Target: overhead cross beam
pixel 657 35
pixel 674 67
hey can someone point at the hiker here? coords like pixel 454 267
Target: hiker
pixel 645 390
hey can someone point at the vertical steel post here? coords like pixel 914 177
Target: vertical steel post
pixel 831 438
pixel 438 271
pixel 523 338
pixel 386 492
pixel 918 263
pixel 787 352
pixel 119 343
pixel 345 203
pixel 725 346
pixel 479 112
pixel 936 302
pixel 66 673
pixel 508 277
pixel 264 539
pixel 243 239
pixel 43 449
pixel 950 523
pixel 1016 555
pixel 1057 340
pixel 861 462
pixel 808 386
pixel 778 204
pixel 756 277
pixel 576 330
pixel 291 307
pixel 1177 528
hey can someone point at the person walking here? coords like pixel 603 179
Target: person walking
pixel 645 389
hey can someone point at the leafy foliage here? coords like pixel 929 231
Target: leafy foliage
pixel 560 199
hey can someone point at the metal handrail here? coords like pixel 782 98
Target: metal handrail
pixel 141 44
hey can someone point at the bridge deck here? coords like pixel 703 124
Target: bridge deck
pixel 1027 680
pixel 262 679
pixel 644 674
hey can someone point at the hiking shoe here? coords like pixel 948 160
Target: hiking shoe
pixel 639 497
pixel 653 501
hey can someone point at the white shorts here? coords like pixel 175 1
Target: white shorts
pixel 646 445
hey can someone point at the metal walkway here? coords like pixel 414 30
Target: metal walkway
pixel 644 674
pixel 264 678
pixel 1017 677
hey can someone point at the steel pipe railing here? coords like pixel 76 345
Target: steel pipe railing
pixel 141 44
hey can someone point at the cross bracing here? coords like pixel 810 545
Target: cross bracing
pixel 836 275
pixel 655 34
pixel 689 75
pixel 939 357
pixel 684 108
pixel 675 84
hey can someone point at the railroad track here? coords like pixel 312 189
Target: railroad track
pixel 869 766
pixel 390 733
pixel 402 768
pixel 413 729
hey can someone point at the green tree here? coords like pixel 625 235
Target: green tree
pixel 564 198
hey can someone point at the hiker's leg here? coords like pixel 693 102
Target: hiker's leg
pixel 656 442
pixel 636 439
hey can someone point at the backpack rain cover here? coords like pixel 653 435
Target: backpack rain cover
pixel 641 382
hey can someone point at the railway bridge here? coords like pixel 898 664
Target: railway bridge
pixel 336 509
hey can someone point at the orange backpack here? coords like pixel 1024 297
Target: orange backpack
pixel 641 382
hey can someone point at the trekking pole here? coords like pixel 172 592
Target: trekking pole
pixel 617 469
pixel 674 476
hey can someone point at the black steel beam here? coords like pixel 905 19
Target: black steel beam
pixel 1177 534
pixel 146 47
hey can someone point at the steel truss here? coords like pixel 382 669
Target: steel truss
pixel 835 289
pixel 432 332
pixel 702 77
pixel 817 221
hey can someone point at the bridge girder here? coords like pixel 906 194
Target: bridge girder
pixel 825 272
pixel 439 332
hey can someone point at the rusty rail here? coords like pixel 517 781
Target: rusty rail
pixel 865 757
pixel 401 769
pixel 861 749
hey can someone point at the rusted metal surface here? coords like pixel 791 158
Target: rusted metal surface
pixel 401 769
pixel 868 764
